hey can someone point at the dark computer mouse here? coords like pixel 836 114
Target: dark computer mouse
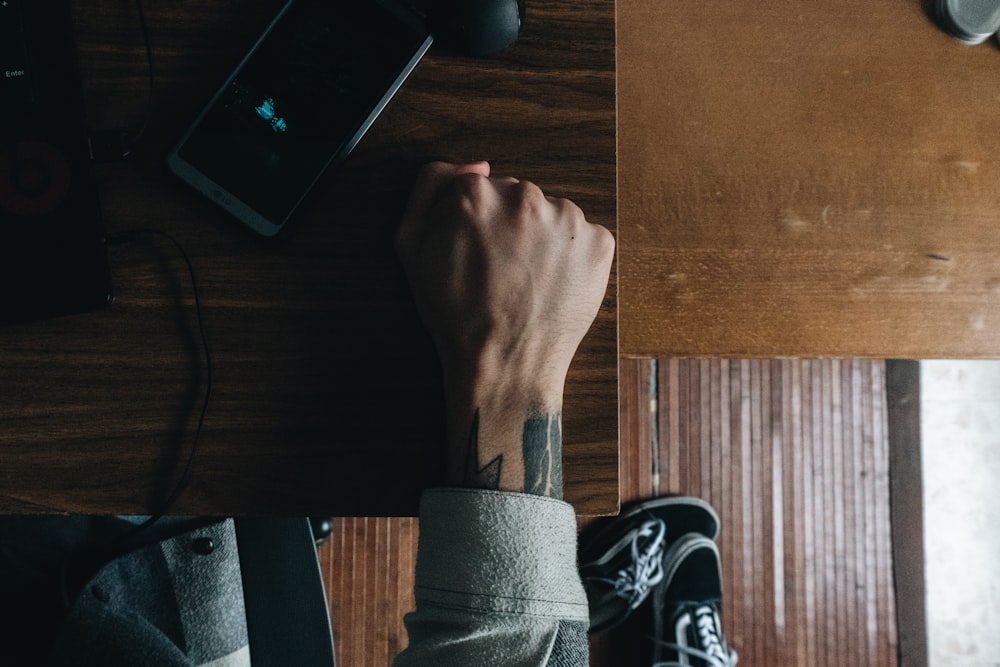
pixel 476 27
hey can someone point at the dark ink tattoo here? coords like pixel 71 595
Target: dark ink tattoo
pixel 542 447
pixel 488 476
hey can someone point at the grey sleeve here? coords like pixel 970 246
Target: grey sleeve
pixel 164 605
pixel 496 583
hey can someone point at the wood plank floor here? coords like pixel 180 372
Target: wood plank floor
pixel 793 454
pixel 368 567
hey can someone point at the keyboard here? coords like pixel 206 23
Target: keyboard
pixel 15 70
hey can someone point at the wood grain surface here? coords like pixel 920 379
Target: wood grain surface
pixel 807 179
pixel 326 397
pixel 794 455
pixel 368 567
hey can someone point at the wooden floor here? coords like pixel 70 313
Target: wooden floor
pixel 793 454
pixel 368 566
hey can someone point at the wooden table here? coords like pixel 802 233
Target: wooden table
pixel 806 179
pixel 327 396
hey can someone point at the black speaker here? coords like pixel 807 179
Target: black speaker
pixel 52 256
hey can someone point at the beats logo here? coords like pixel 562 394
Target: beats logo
pixel 34 178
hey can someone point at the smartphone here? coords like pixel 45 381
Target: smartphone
pixel 297 104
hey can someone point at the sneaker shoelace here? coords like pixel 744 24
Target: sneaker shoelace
pixel 646 568
pixel 712 651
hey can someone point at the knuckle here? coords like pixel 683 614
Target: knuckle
pixel 573 217
pixel 529 193
pixel 471 187
pixel 432 172
pixel 465 199
pixel 571 212
pixel 605 242
pixel 529 202
pixel 434 168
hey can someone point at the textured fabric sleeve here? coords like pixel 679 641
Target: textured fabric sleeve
pixel 496 583
pixel 165 605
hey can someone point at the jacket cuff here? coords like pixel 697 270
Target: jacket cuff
pixel 499 552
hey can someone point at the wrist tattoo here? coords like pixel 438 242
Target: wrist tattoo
pixel 542 447
pixel 541 450
pixel 487 476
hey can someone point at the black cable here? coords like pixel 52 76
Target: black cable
pixel 149 63
pixel 81 564
pixel 115 144
pixel 132 235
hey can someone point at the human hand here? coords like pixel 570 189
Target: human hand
pixel 507 281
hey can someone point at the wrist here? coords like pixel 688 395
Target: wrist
pixel 506 436
pixel 505 381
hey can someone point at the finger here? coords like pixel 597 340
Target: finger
pixel 431 181
pixel 505 180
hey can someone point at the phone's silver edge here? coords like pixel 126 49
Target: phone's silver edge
pixel 234 205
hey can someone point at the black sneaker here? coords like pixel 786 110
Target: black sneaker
pixel 686 630
pixel 621 559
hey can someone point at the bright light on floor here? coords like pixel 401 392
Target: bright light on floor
pixel 960 434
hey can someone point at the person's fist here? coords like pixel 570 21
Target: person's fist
pixel 507 280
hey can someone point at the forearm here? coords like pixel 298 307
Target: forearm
pixel 507 281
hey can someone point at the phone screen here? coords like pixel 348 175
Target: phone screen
pixel 299 102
